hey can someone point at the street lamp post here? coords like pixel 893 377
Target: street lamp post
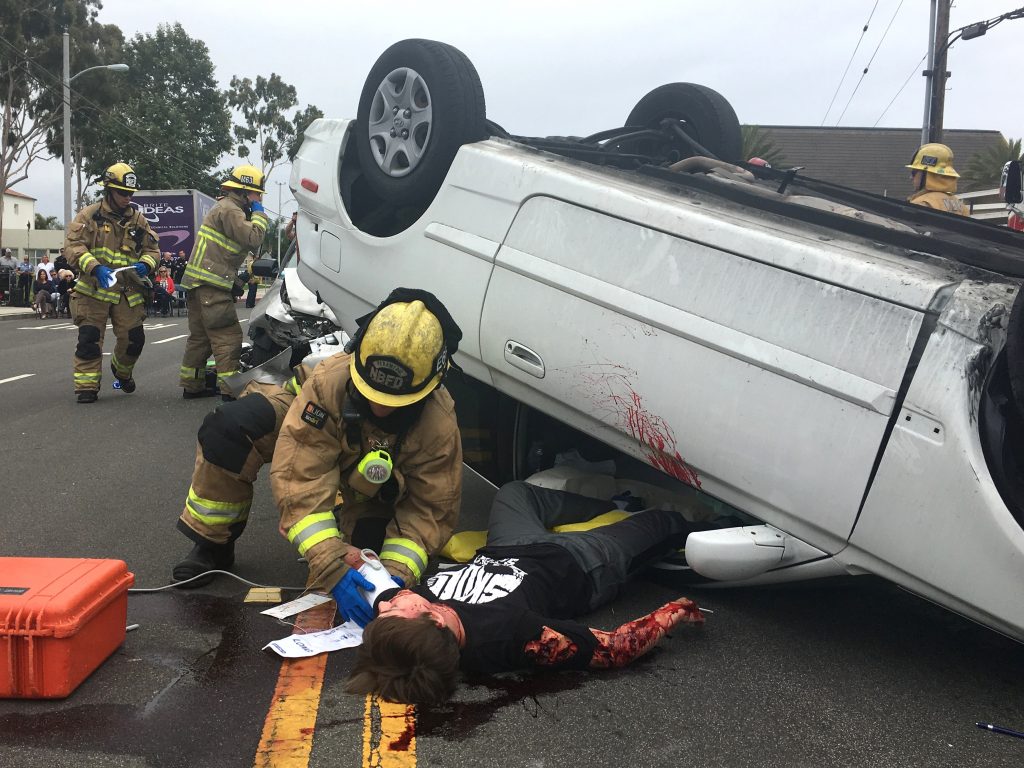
pixel 66 80
pixel 280 219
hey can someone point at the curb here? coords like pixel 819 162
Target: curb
pixel 17 316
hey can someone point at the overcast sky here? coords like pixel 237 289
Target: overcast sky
pixel 552 68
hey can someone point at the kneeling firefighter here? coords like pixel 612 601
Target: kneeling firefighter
pixel 934 179
pixel 106 236
pixel 373 424
pixel 232 228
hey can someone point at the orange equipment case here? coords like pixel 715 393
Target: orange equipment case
pixel 59 619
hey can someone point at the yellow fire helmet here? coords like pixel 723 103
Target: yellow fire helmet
pixel 934 158
pixel 403 350
pixel 246 177
pixel 120 176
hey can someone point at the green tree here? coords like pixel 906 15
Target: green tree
pixel 265 123
pixel 47 222
pixel 301 123
pixel 31 54
pixel 172 123
pixel 757 143
pixel 985 168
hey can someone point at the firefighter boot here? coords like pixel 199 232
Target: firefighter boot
pixel 204 557
pixel 125 385
pixel 87 395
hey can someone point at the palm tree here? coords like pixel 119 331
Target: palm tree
pixel 46 222
pixel 757 143
pixel 985 167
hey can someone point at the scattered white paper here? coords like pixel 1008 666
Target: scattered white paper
pixel 300 604
pixel 347 635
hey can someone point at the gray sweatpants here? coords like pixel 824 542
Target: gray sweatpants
pixel 609 555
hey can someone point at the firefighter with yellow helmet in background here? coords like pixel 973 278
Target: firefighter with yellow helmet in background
pixel 934 179
pixel 374 425
pixel 113 247
pixel 232 228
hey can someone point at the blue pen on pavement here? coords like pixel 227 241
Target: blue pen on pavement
pixel 1000 729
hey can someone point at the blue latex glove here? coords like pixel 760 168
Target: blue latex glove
pixel 256 206
pixel 399 582
pixel 351 604
pixel 103 275
pixel 141 268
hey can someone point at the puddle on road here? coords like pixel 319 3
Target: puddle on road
pixel 209 699
pixel 457 720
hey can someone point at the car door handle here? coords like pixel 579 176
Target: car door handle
pixel 524 358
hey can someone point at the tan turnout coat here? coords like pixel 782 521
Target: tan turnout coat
pixel 222 244
pixel 99 235
pixel 313 462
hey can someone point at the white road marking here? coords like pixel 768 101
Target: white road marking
pixel 15 378
pixel 173 338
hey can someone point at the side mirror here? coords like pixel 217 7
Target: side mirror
pixel 1010 183
pixel 265 268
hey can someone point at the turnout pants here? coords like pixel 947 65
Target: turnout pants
pixel 213 327
pixel 610 555
pixel 235 441
pixel 90 315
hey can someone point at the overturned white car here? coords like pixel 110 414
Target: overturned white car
pixel 844 371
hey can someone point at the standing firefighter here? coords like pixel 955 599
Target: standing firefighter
pixel 233 227
pixel 106 236
pixel 375 425
pixel 934 179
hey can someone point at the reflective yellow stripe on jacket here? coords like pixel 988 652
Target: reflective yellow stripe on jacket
pixel 408 553
pixel 195 269
pixel 312 529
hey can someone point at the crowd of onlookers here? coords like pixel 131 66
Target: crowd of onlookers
pixel 46 286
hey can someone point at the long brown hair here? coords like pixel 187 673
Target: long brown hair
pixel 408 660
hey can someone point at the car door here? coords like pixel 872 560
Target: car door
pixel 767 388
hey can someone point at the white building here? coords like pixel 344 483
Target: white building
pixel 19 232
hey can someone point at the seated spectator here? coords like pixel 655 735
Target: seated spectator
pixel 163 289
pixel 42 288
pixel 65 282
pixel 24 282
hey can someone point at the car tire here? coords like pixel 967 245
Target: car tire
pixel 440 106
pixel 709 119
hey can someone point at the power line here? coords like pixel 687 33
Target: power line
pixel 142 140
pixel 862 75
pixel 845 71
pixel 912 73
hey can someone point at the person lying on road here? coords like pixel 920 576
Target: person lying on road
pixel 510 608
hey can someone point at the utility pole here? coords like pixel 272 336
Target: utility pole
pixel 66 83
pixel 940 74
pixel 280 219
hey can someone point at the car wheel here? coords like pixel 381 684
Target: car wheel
pixel 706 116
pixel 421 101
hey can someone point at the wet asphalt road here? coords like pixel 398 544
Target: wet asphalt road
pixel 851 673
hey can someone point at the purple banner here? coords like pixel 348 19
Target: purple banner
pixel 172 218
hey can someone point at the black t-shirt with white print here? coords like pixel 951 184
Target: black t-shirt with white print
pixel 506 596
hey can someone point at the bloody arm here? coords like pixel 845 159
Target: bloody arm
pixel 620 646
pixel 635 638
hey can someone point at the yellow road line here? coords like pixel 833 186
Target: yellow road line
pixel 288 730
pixel 389 734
